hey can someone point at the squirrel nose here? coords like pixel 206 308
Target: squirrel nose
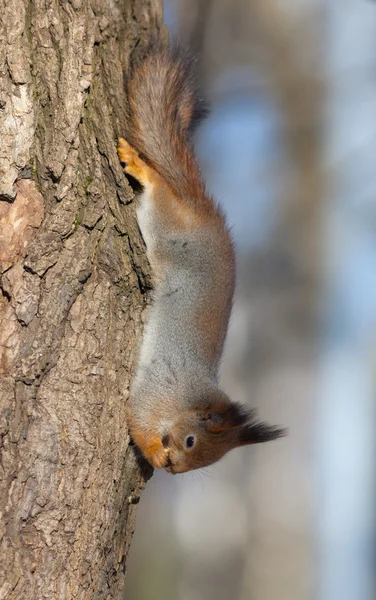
pixel 166 441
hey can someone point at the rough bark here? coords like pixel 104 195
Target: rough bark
pixel 73 282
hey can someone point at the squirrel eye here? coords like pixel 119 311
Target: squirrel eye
pixel 190 440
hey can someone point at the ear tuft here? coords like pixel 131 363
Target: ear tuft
pixel 258 432
pixel 221 415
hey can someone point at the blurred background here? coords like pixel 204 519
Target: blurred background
pixel 290 151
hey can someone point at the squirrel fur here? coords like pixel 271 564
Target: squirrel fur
pixel 178 416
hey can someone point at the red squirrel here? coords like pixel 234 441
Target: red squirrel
pixel 178 416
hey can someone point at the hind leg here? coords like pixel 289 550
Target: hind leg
pixel 134 165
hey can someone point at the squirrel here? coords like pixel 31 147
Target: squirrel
pixel 178 416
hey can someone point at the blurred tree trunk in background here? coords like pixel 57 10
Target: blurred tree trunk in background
pixel 281 43
pixel 284 45
pixel 73 277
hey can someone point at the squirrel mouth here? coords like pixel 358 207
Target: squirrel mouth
pixel 169 466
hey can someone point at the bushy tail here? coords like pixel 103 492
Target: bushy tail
pixel 164 107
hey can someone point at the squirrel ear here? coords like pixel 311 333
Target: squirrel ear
pixel 224 415
pixel 258 432
pixel 221 418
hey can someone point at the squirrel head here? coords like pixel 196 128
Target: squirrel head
pixel 200 437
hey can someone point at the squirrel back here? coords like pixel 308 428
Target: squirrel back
pixel 178 416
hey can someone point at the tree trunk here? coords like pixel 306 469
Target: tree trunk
pixel 73 282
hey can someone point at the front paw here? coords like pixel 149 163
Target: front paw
pixel 158 459
pixel 150 443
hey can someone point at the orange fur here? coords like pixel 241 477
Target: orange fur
pixel 150 445
pixel 134 165
pixel 163 104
